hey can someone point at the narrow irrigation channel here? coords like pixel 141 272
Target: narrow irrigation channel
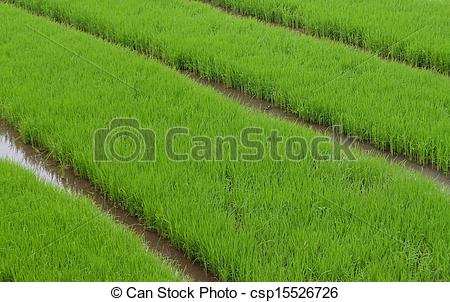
pixel 13 148
pixel 277 111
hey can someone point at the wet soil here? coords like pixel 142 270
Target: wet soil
pixel 46 168
pixel 277 111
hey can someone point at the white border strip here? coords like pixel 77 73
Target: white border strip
pixel 268 292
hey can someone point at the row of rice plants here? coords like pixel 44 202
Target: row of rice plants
pixel 396 107
pixel 51 235
pixel 245 220
pixel 413 31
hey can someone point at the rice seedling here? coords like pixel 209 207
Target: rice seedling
pixel 260 220
pixel 50 235
pixel 395 107
pixel 413 31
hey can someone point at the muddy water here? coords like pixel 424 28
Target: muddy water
pixel 277 111
pixel 50 171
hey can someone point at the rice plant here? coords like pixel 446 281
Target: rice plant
pixel 51 235
pixel 413 31
pixel 396 107
pixel 264 220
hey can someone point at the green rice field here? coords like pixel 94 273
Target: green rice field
pixel 262 220
pixel 395 107
pixel 50 235
pixel 413 31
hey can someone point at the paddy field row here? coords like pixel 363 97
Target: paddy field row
pixel 51 235
pixel 411 31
